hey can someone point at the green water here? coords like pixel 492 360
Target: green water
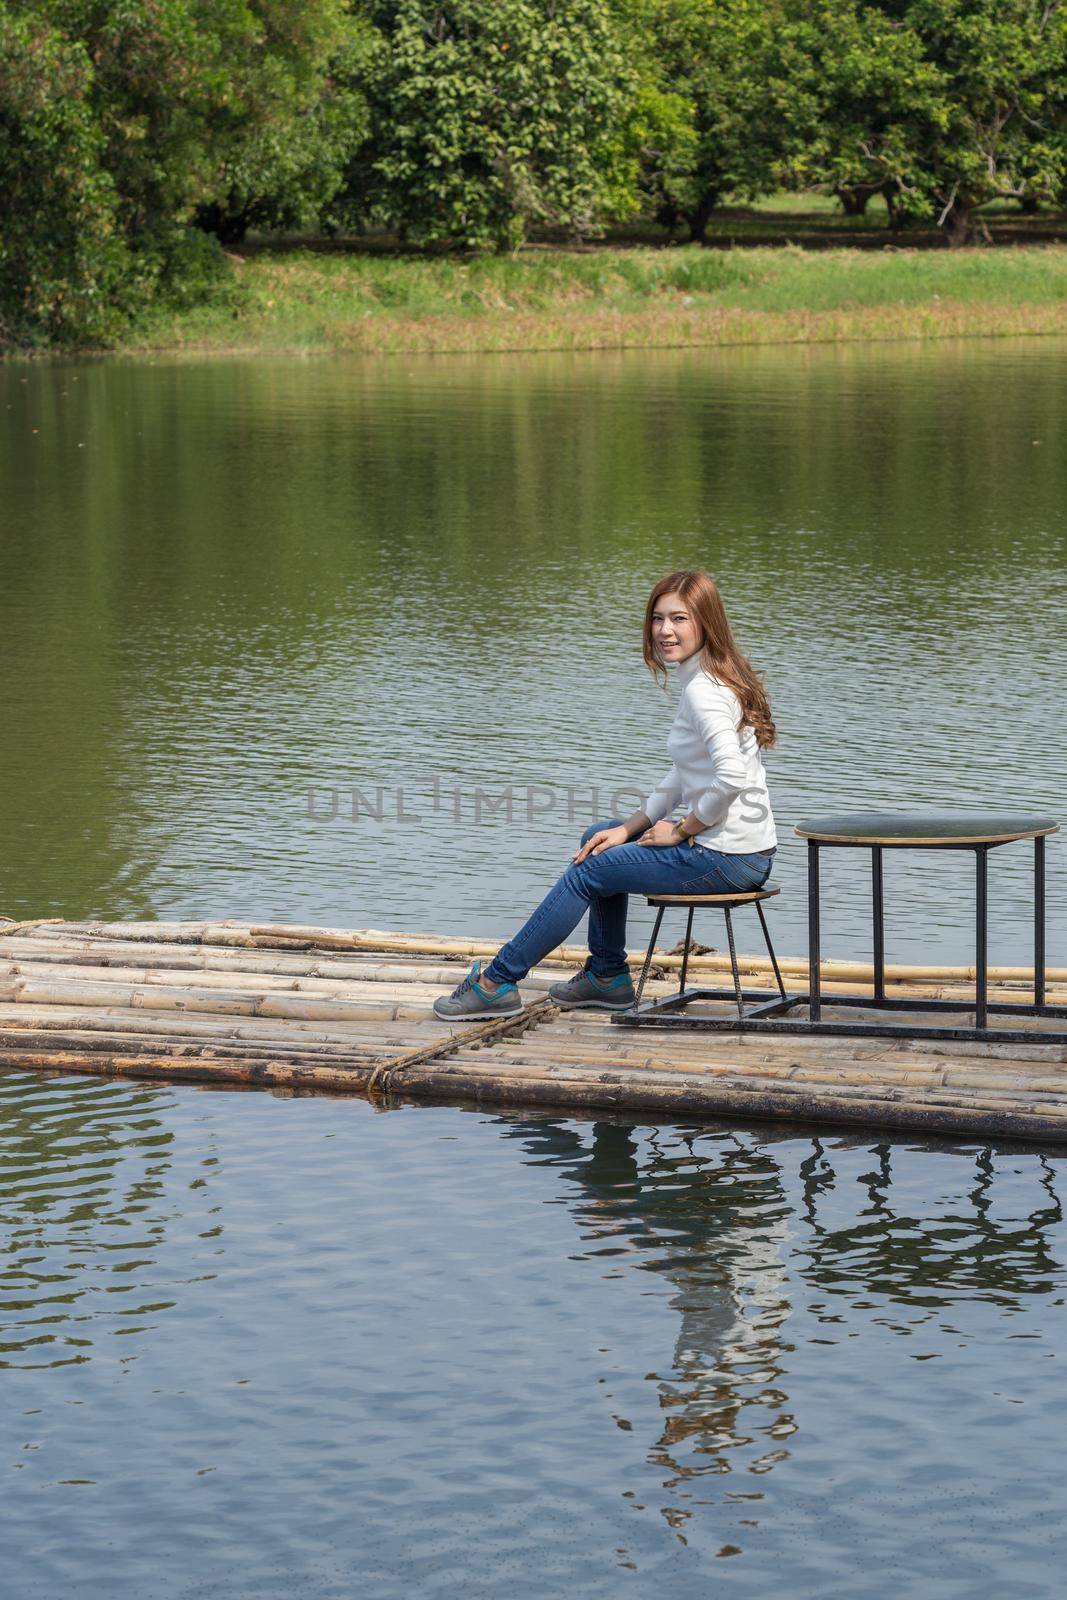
pixel 231 592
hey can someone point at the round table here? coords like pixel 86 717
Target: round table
pixel 877 831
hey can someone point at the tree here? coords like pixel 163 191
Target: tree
pixel 297 117
pixel 124 120
pixel 488 117
pixel 943 104
pixel 711 56
pixel 60 258
pixel 999 132
pixel 856 91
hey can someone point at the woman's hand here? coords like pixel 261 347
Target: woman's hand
pixel 661 833
pixel 606 839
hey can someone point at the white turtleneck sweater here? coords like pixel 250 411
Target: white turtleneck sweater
pixel 717 773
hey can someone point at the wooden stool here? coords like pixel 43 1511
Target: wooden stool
pixel 667 1010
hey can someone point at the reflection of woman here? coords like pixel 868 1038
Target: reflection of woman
pixel 725 840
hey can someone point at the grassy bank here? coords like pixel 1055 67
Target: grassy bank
pixel 321 300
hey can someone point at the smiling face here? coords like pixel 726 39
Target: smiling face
pixel 675 633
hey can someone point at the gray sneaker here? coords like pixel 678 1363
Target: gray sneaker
pixel 469 1000
pixel 595 994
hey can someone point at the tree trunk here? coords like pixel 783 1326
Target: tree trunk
pixel 229 227
pixel 891 195
pixel 854 200
pixel 959 224
pixel 700 215
pixel 668 214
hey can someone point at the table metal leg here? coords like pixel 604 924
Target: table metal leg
pixel 685 950
pixel 1039 922
pixel 981 952
pixel 879 922
pixel 814 958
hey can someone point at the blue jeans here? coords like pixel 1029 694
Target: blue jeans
pixel 601 884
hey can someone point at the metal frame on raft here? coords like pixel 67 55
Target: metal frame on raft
pixel 764 1011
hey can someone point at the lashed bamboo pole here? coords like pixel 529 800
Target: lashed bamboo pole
pixel 30 1042
pixel 232 933
pixel 778 1102
pixel 566 1041
pixel 430 978
pixel 382 1032
pixel 793 966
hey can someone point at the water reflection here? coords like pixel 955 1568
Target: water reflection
pixel 83 1216
pixel 746 1228
pixel 931 1260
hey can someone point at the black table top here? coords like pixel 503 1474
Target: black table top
pixel 926 827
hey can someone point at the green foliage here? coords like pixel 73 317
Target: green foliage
pixel 945 104
pixel 161 79
pixel 998 127
pixel 942 105
pixel 126 119
pixel 487 118
pixel 60 259
pixel 713 57
pixel 240 111
pixel 465 123
pixel 295 118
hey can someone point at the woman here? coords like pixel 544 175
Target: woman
pixel 725 841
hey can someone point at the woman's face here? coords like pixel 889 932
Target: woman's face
pixel 674 633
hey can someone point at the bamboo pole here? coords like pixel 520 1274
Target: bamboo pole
pixel 31 1042
pixel 794 1104
pixel 381 1031
pixel 234 933
pixel 371 978
pixel 408 982
pixel 1011 1087
pixel 797 966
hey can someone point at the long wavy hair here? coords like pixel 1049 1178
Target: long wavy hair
pixel 719 651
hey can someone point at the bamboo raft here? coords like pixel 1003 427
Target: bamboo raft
pixel 301 1009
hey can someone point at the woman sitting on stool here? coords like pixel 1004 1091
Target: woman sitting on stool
pixel 725 842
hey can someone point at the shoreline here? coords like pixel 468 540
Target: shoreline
pixel 303 301
pixel 602 332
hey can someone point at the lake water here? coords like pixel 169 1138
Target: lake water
pixel 232 593
pixel 254 1347
pixel 258 1346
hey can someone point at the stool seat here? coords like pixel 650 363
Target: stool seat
pixel 736 897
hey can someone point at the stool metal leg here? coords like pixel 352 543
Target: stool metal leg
pixel 981 953
pixel 733 963
pixel 814 959
pixel 685 950
pixel 1039 922
pixel 770 951
pixel 648 957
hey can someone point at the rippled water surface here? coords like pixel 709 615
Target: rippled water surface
pixel 260 1347
pixel 255 1347
pixel 226 587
